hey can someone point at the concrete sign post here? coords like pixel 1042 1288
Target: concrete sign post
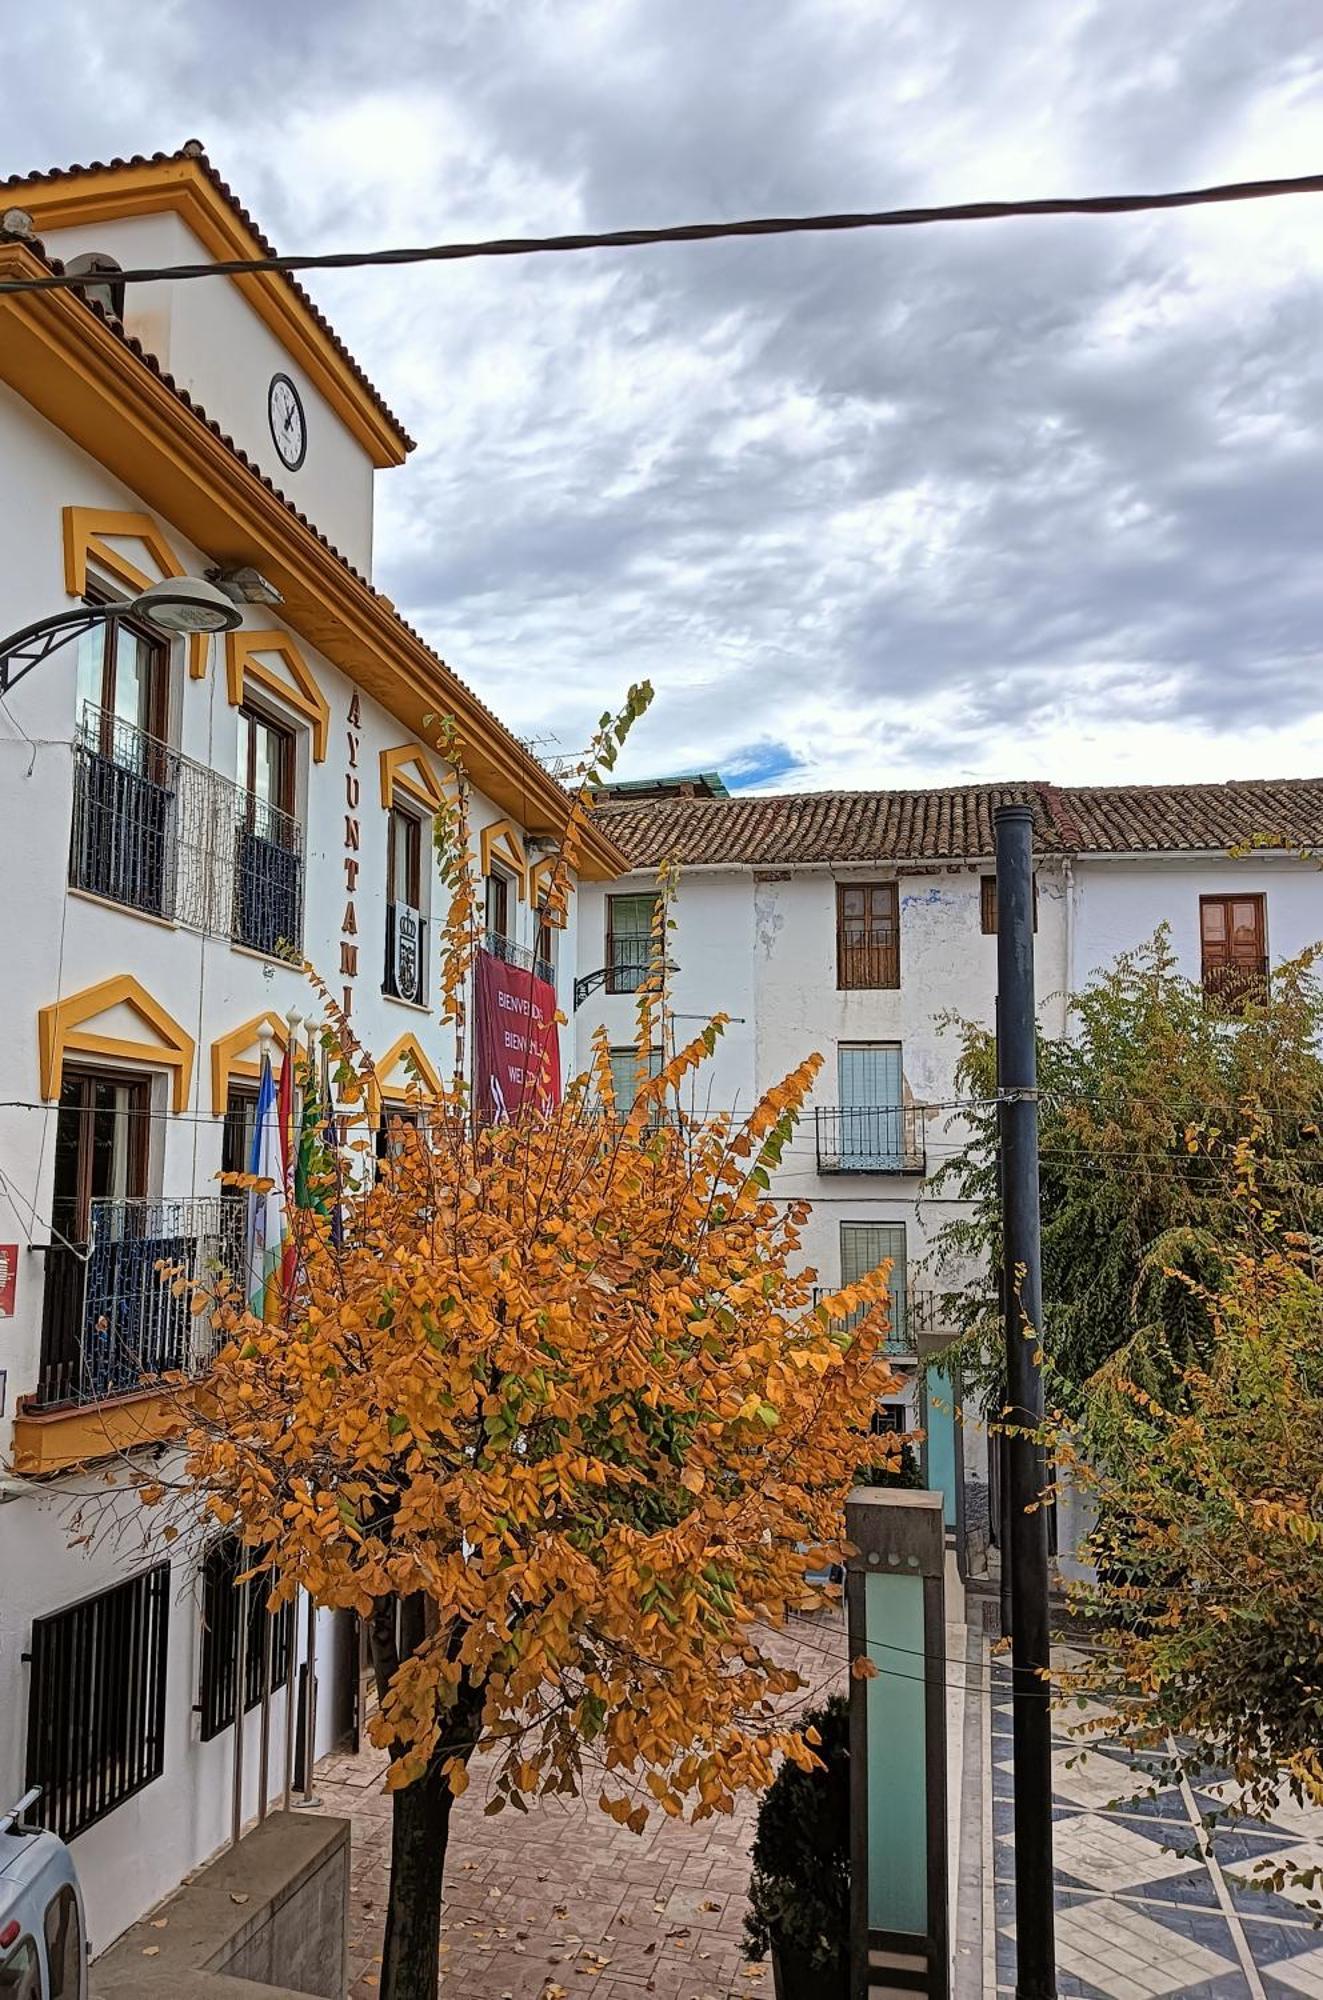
pixel 896 1618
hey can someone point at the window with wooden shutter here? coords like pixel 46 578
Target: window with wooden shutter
pixel 988 904
pixel 1233 952
pixel 867 935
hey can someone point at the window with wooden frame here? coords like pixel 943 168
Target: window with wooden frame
pixel 224 1600
pixel 268 890
pixel 867 935
pixel 404 859
pixel 988 904
pixel 406 928
pixel 123 687
pixel 124 833
pixel 266 762
pixel 1233 939
pixel 496 904
pixel 101 1145
pixel 629 921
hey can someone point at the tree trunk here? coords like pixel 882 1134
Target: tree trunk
pixel 420 1819
pixel 420 1829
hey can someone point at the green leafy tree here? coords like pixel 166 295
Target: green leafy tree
pixel 1209 1598
pixel 1147 1103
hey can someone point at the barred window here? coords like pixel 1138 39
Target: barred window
pixel 224 1561
pixel 96 1701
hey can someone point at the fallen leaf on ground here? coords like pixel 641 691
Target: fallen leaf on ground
pixel 238 1896
pixel 710 1904
pixel 151 1951
pixel 158 1923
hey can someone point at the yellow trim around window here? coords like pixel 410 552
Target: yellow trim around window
pixel 62 1031
pixel 541 872
pixel 503 842
pixel 406 769
pixel 379 1086
pixel 227 1054
pixel 301 691
pixel 85 529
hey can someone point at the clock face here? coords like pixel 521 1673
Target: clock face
pixel 289 426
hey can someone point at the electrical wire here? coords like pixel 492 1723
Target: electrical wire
pixel 696 232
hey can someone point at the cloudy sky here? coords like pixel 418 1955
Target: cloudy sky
pixel 1012 499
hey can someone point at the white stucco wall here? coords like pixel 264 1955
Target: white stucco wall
pixel 207 336
pixel 1120 903
pixel 59 942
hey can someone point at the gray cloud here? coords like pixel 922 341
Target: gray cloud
pixel 858 506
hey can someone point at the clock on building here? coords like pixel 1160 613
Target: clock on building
pixel 289 425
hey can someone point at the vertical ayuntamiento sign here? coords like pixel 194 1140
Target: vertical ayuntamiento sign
pixel 517 1059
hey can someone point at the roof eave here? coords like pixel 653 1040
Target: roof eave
pixel 63 358
pixel 184 186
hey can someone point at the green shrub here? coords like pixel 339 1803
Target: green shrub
pixel 800 1892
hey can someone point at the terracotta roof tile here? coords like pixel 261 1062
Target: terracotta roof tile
pixel 955 822
pixel 1162 819
pixel 193 150
pixel 768 832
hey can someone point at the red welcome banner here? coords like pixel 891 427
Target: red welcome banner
pixel 518 1047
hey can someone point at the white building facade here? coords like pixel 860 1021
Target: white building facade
pixel 185 825
pixel 861 925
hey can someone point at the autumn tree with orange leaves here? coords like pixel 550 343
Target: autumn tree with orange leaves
pixel 553 1411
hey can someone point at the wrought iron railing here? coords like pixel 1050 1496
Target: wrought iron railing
pixel 868 958
pixel 161 833
pixel 1230 989
pixel 126 790
pixel 268 879
pixel 630 958
pixel 870 1139
pixel 511 953
pixel 110 1321
pixel 900 1334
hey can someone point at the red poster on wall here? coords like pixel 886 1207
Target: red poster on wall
pixel 518 1047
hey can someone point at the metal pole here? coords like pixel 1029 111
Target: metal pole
pixel 264 1737
pixel 1017 1087
pixel 240 1662
pixel 291 1711
pixel 310 1708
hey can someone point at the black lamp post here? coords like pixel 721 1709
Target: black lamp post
pixel 177 606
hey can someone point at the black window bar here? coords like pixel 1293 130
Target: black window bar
pixel 96 1702
pixel 224 1561
pixel 124 838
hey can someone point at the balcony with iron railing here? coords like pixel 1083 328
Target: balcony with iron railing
pixel 900 1333
pixel 112 1324
pixel 914 1310
pixel 870 1139
pixel 519 955
pixel 157 832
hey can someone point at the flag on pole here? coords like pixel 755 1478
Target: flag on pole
pixel 285 1108
pixel 266 1206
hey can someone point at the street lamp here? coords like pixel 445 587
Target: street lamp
pixel 177 605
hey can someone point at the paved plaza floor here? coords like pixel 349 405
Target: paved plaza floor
pixel 1153 1896
pixel 563 1902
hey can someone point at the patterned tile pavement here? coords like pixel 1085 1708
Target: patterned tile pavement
pixel 563 1898
pixel 1152 1901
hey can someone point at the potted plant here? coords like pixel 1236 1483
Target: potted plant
pixel 799 1897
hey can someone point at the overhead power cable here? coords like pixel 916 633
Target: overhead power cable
pixel 695 232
